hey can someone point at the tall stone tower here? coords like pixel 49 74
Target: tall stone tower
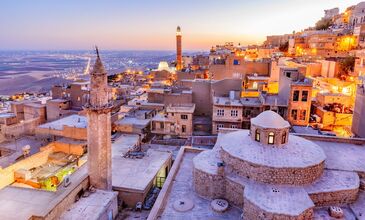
pixel 178 49
pixel 99 128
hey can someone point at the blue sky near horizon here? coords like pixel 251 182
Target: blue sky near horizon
pixel 151 24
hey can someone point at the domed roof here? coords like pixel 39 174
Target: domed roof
pixel 163 65
pixel 270 119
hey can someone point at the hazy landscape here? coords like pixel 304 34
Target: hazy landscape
pixel 37 71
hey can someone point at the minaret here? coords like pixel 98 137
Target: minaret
pixel 99 128
pixel 178 49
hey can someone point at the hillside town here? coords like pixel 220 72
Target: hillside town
pixel 269 131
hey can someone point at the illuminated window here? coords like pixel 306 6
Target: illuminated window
pixel 302 115
pixel 254 86
pixel 294 114
pixel 257 135
pixel 271 137
pixel 283 138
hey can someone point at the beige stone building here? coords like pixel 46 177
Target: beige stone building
pixel 177 120
pixel 233 66
pixel 358 122
pixel 296 90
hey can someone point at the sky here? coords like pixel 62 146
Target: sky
pixel 151 24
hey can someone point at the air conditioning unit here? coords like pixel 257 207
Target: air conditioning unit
pixel 66 181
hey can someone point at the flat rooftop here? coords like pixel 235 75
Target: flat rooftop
pixel 226 101
pixel 343 156
pixel 133 173
pixel 76 121
pixel 181 108
pixel 123 143
pixel 23 203
pixel 16 147
pixel 133 121
pixel 91 207
pixel 181 188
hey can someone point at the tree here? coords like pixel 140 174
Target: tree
pixel 324 24
pixel 284 47
pixel 347 65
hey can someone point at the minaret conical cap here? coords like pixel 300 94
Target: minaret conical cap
pixel 98 66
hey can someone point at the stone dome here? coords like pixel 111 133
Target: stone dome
pixel 270 119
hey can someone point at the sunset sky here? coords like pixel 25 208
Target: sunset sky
pixel 151 24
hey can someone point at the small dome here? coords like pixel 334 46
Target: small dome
pixel 270 119
pixel 163 65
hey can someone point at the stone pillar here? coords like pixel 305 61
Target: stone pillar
pixel 178 49
pixel 99 148
pixel 99 129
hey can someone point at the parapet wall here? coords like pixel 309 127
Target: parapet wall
pixel 252 212
pixel 208 185
pixel 343 197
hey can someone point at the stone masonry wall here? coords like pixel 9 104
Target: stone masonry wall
pixel 296 176
pixel 252 212
pixel 208 185
pixel 338 198
pixel 234 193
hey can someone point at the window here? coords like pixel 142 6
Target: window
pixel 294 114
pixel 302 115
pixel 220 112
pixel 304 96
pixel 257 135
pixel 183 128
pixel 254 86
pixel 219 126
pixel 288 74
pixel 184 117
pixel 296 95
pixel 234 126
pixel 236 62
pixel 234 113
pixel 283 138
pixel 162 125
pixel 271 138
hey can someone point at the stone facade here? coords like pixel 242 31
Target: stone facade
pixel 252 212
pixel 99 129
pixel 257 172
pixel 208 185
pixel 342 197
pixel 271 190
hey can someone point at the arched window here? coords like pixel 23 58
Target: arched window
pixel 257 135
pixel 283 138
pixel 271 137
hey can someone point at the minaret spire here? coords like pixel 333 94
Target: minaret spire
pixel 97 51
pixel 99 128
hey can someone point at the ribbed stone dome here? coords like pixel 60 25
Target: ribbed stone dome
pixel 270 119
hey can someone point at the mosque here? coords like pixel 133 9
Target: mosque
pixel 271 174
